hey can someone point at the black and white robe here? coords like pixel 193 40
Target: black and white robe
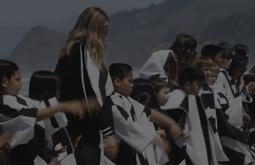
pixel 155 64
pixel 201 145
pixel 137 134
pixel 236 148
pixel 80 80
pixel 54 129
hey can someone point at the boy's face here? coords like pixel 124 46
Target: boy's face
pixel 124 86
pixel 212 78
pixel 218 58
pixel 13 84
pixel 163 96
pixel 226 62
pixel 193 88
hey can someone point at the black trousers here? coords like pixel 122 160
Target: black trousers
pixel 86 154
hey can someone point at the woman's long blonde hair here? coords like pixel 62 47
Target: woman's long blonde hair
pixel 90 28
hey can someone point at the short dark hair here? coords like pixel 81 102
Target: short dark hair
pixel 7 69
pixel 190 74
pixel 144 93
pixel 227 50
pixel 157 83
pixel 210 50
pixel 241 52
pixel 43 85
pixel 184 48
pixel 237 65
pixel 119 70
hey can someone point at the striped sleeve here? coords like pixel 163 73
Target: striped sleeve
pixel 19 123
pixel 12 113
pixel 106 118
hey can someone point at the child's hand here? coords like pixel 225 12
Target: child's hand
pixel 246 119
pixel 5 140
pixel 250 87
pixel 78 108
pixel 74 107
pixel 76 142
pixel 162 133
pixel 176 132
pixel 91 104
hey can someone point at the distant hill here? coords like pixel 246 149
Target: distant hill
pixel 135 34
pixel 39 49
pixel 9 37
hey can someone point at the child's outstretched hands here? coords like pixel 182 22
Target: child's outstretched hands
pixel 78 108
pixel 177 132
pixel 5 140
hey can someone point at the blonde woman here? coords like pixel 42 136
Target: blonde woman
pixel 84 75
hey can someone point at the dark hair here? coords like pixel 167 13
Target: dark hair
pixel 235 66
pixel 157 83
pixel 203 61
pixel 171 68
pixel 184 48
pixel 119 70
pixel 144 93
pixel 252 70
pixel 241 53
pixel 190 74
pixel 43 85
pixel 7 69
pixel 227 50
pixel 210 51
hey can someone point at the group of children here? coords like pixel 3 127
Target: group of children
pixel 182 109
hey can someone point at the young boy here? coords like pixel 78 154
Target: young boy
pixel 199 147
pixel 132 122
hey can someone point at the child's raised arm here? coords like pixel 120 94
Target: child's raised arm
pixel 77 108
pixel 165 121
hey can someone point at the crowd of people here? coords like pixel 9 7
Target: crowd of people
pixel 184 108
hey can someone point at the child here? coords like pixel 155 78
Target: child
pixel 153 93
pixel 156 88
pixel 19 114
pixel 200 144
pixel 132 125
pixel 5 139
pixel 44 86
pixel 213 102
pixel 161 90
pixel 162 63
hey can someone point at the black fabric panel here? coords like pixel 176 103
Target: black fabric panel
pixel 21 101
pixel 225 129
pixel 106 117
pixel 30 112
pixel 142 159
pixel 223 106
pixel 236 158
pixel 52 119
pixel 208 100
pixel 132 112
pixel 87 154
pixel 123 113
pixel 26 153
pixel 204 126
pixel 12 113
pixel 102 82
pixel 126 155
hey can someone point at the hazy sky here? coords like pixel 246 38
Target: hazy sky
pixel 31 12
